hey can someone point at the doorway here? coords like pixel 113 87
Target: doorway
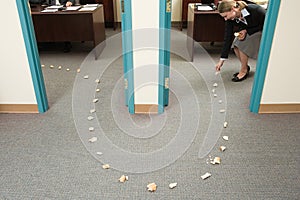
pixel 264 54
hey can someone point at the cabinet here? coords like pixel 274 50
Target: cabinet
pixel 108 6
pixel 184 9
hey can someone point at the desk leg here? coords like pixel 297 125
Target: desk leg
pixel 115 14
pixel 190 47
pixel 181 16
pixel 99 32
pixel 98 49
pixel 190 34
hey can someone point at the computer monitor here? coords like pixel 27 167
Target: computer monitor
pixel 37 1
pixel 82 2
pixel 207 1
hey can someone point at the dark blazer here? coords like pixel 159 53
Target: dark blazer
pixel 255 23
pixel 62 2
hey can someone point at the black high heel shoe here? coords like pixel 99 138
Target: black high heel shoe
pixel 248 70
pixel 237 79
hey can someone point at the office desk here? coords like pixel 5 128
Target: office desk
pixel 203 26
pixel 70 26
pixel 109 6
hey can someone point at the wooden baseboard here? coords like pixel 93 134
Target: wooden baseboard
pixel 146 108
pixel 19 108
pixel 279 108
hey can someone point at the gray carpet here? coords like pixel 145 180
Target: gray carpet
pixel 43 156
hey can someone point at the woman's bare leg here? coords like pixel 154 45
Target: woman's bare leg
pixel 244 62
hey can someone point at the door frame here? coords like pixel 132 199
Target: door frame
pixel 32 54
pixel 264 54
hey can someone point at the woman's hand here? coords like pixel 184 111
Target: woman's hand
pixel 69 3
pixel 219 65
pixel 242 34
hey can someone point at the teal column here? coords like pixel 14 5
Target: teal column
pixel 164 53
pixel 32 55
pixel 127 53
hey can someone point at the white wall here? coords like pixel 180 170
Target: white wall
pixel 283 74
pixel 145 61
pixel 16 86
pixel 176 10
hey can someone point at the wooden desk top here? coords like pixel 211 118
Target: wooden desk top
pixel 36 10
pixel 193 8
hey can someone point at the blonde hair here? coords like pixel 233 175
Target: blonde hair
pixel 226 5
